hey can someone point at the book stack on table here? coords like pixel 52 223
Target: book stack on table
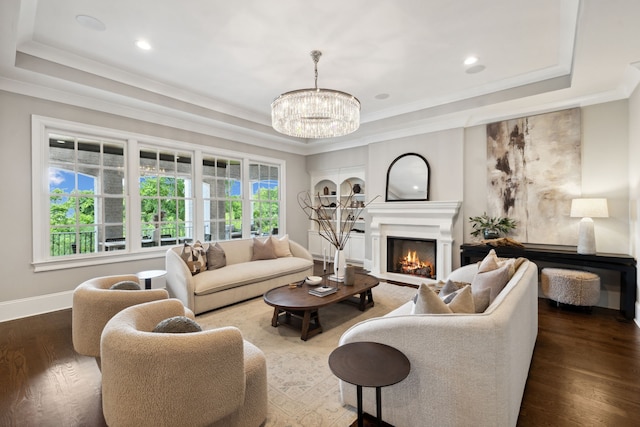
pixel 323 291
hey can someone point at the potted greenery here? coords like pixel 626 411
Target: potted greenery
pixel 491 227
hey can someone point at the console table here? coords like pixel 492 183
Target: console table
pixel 567 255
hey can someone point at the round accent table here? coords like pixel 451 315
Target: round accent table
pixel 149 275
pixel 369 364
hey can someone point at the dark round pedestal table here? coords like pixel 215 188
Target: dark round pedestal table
pixel 369 364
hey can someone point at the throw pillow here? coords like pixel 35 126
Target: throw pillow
pixel 177 325
pixel 216 258
pixel 481 299
pixel 495 280
pixel 126 285
pixel 195 257
pixel 281 246
pixel 263 250
pixel 490 262
pixel 428 302
pixel 480 296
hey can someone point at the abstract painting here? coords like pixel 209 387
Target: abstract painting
pixel 534 170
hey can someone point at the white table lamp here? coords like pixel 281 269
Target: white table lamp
pixel 587 209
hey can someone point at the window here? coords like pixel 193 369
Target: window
pixel 101 195
pixel 222 198
pixel 265 198
pixel 86 195
pixel 166 197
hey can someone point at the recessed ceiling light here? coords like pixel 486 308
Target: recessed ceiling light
pixel 470 60
pixel 475 69
pixel 143 44
pixel 90 22
pixel 382 96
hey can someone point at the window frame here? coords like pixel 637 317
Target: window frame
pixel 134 142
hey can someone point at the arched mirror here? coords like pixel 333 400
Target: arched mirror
pixel 408 179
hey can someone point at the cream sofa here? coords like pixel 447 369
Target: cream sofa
pixel 239 280
pixel 466 369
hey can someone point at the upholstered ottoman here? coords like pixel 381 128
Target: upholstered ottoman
pixel 570 286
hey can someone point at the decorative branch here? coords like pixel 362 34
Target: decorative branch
pixel 326 216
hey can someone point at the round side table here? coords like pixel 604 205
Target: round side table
pixel 148 275
pixel 369 364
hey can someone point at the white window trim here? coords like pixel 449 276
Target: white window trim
pixel 40 125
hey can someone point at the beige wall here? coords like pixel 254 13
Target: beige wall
pixel 18 280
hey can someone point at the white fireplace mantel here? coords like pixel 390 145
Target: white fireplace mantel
pixel 425 220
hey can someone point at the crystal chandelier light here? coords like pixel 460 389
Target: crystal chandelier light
pixel 315 113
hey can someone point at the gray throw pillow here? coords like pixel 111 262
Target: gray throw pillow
pixel 263 250
pixel 216 258
pixel 177 325
pixel 126 285
pixel 495 280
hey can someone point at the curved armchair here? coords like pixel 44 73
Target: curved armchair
pixel 94 304
pixel 208 378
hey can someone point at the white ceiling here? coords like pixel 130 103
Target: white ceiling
pixel 215 66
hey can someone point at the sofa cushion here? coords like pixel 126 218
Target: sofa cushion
pixel 177 325
pixel 263 250
pixel 281 246
pixel 195 257
pixel 216 257
pixel 234 275
pixel 428 302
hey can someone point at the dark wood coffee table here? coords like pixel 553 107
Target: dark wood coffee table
pixel 293 306
pixel 369 364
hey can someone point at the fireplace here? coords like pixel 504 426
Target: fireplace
pixel 415 257
pixel 430 221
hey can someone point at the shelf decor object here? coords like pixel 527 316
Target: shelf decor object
pixel 335 223
pixel 587 209
pixel 315 113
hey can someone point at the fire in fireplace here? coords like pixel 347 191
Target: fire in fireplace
pixel 416 257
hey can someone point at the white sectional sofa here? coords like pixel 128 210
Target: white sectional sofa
pixel 239 280
pixel 466 369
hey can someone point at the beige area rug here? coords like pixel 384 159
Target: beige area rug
pixel 302 389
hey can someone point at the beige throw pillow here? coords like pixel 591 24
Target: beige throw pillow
pixel 281 246
pixel 263 250
pixel 480 296
pixel 428 302
pixel 493 274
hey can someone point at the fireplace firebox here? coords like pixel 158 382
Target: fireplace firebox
pixel 415 257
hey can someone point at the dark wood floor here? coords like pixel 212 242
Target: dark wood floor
pixel 585 372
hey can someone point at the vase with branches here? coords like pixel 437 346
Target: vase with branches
pixel 335 221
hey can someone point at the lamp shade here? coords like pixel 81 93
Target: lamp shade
pixel 589 208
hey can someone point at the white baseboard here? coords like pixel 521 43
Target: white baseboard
pixel 637 319
pixel 25 307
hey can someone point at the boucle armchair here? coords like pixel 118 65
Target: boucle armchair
pixel 207 378
pixel 94 304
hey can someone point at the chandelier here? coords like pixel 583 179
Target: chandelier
pixel 315 113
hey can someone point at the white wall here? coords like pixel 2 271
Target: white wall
pixel 458 172
pixel 24 292
pixel 611 151
pixel 605 173
pixel 634 183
